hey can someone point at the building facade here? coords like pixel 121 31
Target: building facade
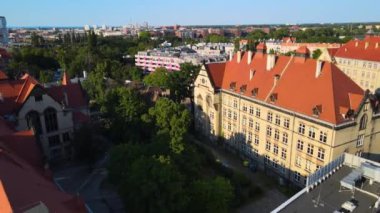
pixel 288 115
pixel 3 31
pixel 51 112
pixel 360 60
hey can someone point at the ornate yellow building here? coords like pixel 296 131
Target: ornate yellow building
pixel 290 115
pixel 360 60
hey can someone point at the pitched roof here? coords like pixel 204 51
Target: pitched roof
pixel 297 89
pixel 75 95
pixel 215 72
pixel 367 49
pixel 24 184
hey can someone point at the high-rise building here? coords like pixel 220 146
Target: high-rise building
pixel 291 115
pixel 3 31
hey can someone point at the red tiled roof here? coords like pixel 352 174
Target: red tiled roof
pixel 15 92
pixel 5 206
pixel 356 49
pixel 3 76
pixel 215 72
pixel 297 89
pixel 75 95
pixel 24 183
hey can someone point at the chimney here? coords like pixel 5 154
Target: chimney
pixel 366 45
pixel 66 98
pixel 238 56
pixel 249 57
pixel 251 74
pixel 276 78
pixel 271 60
pixel 231 55
pixel 356 44
pixel 318 69
pixel 377 45
pixel 84 74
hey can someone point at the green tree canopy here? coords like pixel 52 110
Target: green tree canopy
pixel 158 78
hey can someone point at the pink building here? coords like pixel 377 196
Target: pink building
pixel 151 62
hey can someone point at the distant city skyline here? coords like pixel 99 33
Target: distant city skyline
pixel 24 13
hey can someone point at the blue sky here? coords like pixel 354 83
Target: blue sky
pixel 189 12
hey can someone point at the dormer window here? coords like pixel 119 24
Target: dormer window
pixel 232 85
pixel 317 110
pixel 243 88
pixel 255 92
pixel 273 97
pixel 349 113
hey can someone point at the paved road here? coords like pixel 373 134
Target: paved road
pixel 89 184
pixel 271 198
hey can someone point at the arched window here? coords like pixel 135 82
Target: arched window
pixel 51 123
pixel 208 101
pixel 33 121
pixel 363 122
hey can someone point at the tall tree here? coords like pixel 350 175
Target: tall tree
pixel 158 78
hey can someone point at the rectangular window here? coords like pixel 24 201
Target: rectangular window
pixel 245 108
pixel 275 164
pixel 257 126
pixel 301 128
pixel 360 140
pixel 255 152
pixel 276 134
pixel 250 123
pixel 66 136
pixel 249 137
pixel 266 159
pixel 37 98
pixel 298 161
pixel 229 126
pixel 321 154
pixel 275 149
pixel 229 114
pixel 323 137
pixel 235 103
pixel 268 146
pixel 311 132
pixel 310 149
pixel 269 116
pixel 297 176
pixel 269 131
pixel 258 112
pixel 283 153
pixel 244 121
pixel 235 116
pixel 286 123
pixel 251 110
pixel 257 140
pixel 300 145
pixel 308 165
pixel 224 112
pixel 285 138
pixel 278 120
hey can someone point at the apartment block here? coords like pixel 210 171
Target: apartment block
pixel 290 115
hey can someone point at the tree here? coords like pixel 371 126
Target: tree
pixel 316 53
pixel 123 109
pixel 88 145
pixel 211 196
pixel 172 119
pixel 215 38
pixel 153 185
pixel 158 78
pixel 257 35
pixel 181 84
